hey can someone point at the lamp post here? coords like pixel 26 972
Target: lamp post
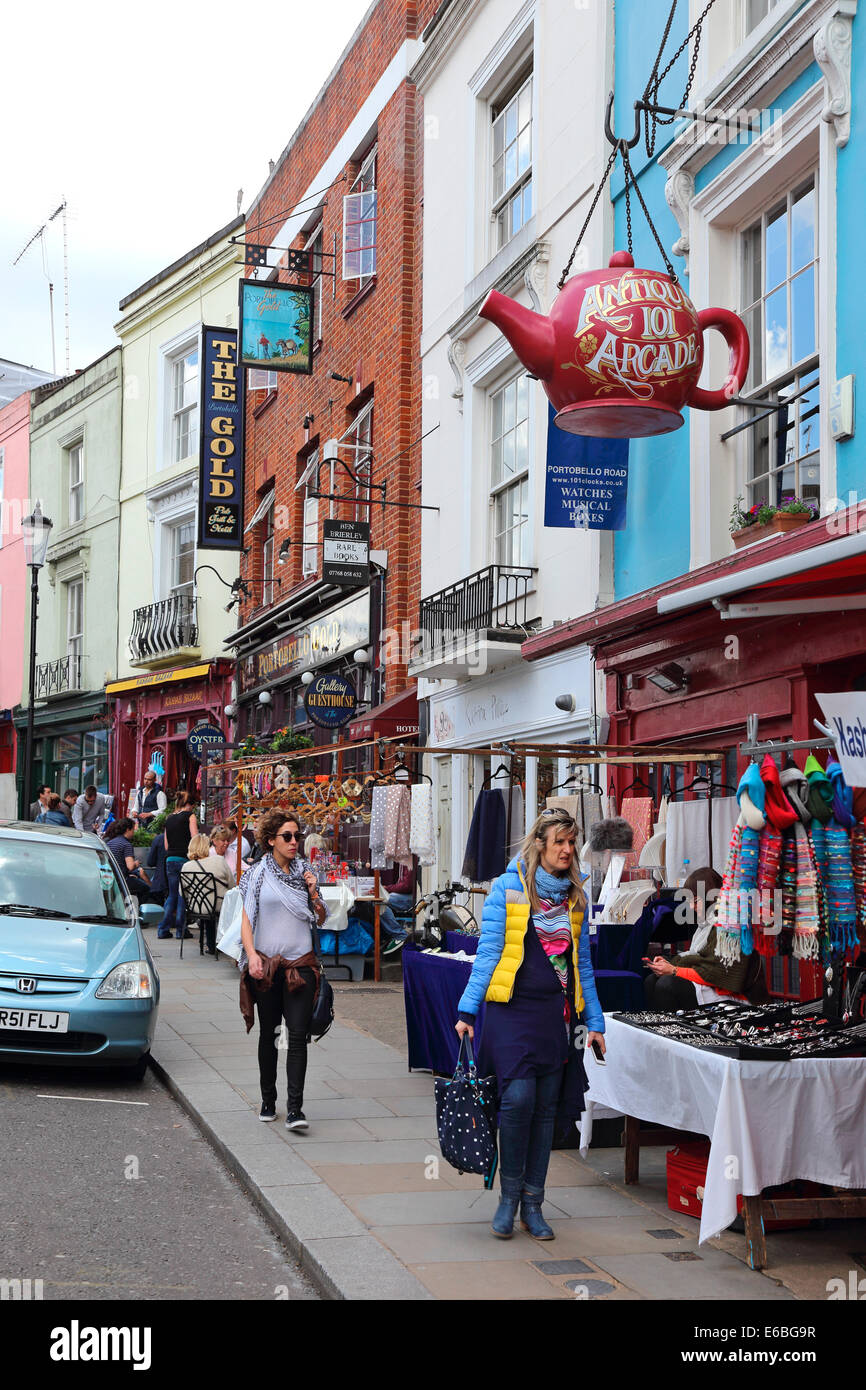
pixel 35 531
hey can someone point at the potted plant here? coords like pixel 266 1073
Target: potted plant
pixel 286 741
pixel 763 519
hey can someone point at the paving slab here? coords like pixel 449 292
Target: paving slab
pixel 714 1276
pixel 430 1208
pixel 455 1242
pixel 343 1108
pixel 404 1127
pixel 393 1178
pixel 471 1281
pixel 369 1151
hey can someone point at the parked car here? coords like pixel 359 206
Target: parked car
pixel 78 985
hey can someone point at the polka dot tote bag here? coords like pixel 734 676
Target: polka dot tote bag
pixel 466 1117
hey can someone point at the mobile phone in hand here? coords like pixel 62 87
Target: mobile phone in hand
pixel 599 1055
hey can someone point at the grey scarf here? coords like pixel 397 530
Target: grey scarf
pixel 289 886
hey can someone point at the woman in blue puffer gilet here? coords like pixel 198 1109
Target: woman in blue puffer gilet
pixel 533 969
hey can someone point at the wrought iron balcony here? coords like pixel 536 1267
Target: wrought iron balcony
pixel 57 677
pixel 163 629
pixel 462 625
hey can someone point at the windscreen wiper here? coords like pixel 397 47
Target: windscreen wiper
pixel 101 917
pixel 19 910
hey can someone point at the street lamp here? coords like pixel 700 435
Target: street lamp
pixel 35 531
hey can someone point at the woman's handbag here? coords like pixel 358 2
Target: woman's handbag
pixel 466 1118
pixel 323 1009
pixel 229 925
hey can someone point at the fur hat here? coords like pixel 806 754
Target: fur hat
pixel 615 834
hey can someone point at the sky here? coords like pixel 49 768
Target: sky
pixel 147 119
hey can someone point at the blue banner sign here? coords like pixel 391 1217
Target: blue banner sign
pixel 586 481
pixel 221 468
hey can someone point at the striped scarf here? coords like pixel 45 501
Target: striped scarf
pixel 734 919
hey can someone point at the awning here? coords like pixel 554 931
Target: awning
pixel 180 673
pixel 393 718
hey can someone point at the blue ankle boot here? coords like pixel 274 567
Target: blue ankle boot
pixel 530 1216
pixel 502 1224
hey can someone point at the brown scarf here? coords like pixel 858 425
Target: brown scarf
pixel 249 986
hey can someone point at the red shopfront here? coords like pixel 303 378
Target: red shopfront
pixel 759 633
pixel 152 716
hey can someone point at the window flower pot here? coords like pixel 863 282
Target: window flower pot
pixel 789 521
pixel 749 534
pixel 781 523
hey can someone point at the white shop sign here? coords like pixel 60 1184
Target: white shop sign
pixel 845 716
pixel 518 703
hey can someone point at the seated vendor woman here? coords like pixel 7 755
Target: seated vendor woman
pixel 698 976
pixel 533 968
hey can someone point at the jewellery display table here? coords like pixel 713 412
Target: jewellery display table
pixel 768 1123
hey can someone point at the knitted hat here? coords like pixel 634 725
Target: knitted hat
pixel 752 797
pixel 614 834
pixel 843 800
pixel 796 789
pixel 780 813
pixel 820 790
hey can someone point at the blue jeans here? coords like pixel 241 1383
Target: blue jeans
pixel 527 1114
pixel 400 902
pixel 389 924
pixel 174 913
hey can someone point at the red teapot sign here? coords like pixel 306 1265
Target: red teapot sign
pixel 621 352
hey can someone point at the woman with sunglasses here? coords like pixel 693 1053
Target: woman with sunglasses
pixel 279 969
pixel 533 968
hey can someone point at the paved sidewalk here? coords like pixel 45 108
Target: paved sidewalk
pixel 367 1204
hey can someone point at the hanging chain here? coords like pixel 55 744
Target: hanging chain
pixel 598 192
pixel 651 119
pixel 625 165
pixel 630 178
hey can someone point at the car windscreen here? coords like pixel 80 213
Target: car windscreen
pixel 56 880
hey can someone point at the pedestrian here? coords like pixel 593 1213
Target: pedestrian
pixel 70 796
pixel 89 810
pixel 533 968
pixel 156 863
pixel 202 861
pixel 279 968
pixel 232 848
pixel 147 800
pixel 52 814
pixel 120 847
pixel 697 976
pixel 179 830
pixel 41 803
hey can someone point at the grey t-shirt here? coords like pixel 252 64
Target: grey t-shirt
pixel 279 932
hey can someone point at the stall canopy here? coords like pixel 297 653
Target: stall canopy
pixel 394 718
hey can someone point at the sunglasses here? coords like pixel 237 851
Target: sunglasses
pixel 292 835
pixel 560 814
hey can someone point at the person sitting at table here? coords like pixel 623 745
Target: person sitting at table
pixel 697 976
pixel 201 861
pixel 533 967
pixel 401 893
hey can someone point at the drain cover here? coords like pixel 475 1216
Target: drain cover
pixel 681 1255
pixel 589 1288
pixel 552 1267
pixel 666 1233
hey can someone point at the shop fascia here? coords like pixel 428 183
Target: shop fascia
pixel 518 704
pixel 317 642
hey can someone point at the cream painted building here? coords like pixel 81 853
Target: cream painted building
pixel 514 96
pixel 171 672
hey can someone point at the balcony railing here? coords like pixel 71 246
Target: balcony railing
pixel 163 628
pixel 56 677
pixel 494 599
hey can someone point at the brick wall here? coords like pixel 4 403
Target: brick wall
pixel 371 336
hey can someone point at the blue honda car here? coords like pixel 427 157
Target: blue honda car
pixel 77 983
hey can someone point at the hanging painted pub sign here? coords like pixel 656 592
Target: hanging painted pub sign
pixel 276 326
pixel 330 701
pixel 586 481
pixel 221 461
pixel 621 352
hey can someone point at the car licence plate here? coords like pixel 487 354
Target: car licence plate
pixel 34 1021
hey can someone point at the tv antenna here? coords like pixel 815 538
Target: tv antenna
pixel 40 236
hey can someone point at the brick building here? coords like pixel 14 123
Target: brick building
pixel 358 438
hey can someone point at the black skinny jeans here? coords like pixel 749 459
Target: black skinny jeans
pixel 296 1008
pixel 667 993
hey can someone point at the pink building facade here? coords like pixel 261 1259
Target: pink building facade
pixel 14 503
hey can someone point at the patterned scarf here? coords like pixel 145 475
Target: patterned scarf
pixel 734 919
pixel 553 925
pixel 289 886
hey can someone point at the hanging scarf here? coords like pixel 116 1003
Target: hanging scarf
pixel 769 862
pixel 796 789
pixel 809 899
pixel 734 922
pixel 288 885
pixel 843 797
pixel 858 867
pixel 779 811
pixel 840 889
pixel 788 880
pixel 820 790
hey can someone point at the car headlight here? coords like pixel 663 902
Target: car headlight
pixel 132 980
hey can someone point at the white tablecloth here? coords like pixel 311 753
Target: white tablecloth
pixel 339 900
pixel 768 1122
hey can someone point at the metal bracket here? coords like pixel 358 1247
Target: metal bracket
pixel 608 128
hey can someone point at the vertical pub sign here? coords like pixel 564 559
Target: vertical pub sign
pixel 221 467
